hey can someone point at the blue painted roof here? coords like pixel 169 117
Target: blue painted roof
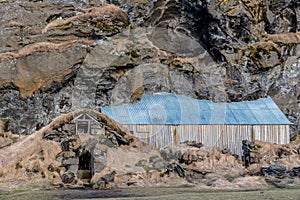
pixel 166 108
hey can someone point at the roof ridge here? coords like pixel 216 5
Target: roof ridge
pixel 181 109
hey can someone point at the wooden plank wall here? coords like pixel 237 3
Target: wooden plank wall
pixel 223 136
pixel 278 134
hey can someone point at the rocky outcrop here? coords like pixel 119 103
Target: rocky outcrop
pixel 74 55
pixel 94 22
pixel 282 16
pixel 29 73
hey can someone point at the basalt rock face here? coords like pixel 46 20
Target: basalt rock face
pixel 40 55
pixel 56 57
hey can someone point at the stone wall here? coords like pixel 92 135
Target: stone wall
pixel 75 145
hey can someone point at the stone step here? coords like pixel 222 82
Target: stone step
pixel 84 174
pixel 85 181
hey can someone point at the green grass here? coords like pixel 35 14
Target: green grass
pixel 153 194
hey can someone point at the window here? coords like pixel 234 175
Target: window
pixel 83 127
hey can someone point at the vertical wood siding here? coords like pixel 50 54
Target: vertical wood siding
pixel 223 136
pixel 278 134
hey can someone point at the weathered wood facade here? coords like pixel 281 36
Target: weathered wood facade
pixel 86 124
pixel 223 136
pixel 166 119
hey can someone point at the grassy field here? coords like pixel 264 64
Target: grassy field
pixel 150 193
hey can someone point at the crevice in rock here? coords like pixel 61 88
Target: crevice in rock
pixel 107 82
pixel 67 81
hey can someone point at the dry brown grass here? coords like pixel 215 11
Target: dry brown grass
pixel 43 47
pixel 13 23
pixel 17 160
pixel 115 14
pixel 286 38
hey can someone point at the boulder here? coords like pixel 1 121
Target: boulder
pixel 191 156
pixel 68 177
pixel 280 172
pixel 103 179
pixel 70 161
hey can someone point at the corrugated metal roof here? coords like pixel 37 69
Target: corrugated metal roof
pixel 166 108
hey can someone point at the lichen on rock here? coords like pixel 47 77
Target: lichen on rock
pixel 93 22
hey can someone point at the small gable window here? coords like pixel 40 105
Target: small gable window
pixel 84 123
pixel 83 127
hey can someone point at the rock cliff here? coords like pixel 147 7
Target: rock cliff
pixel 59 56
